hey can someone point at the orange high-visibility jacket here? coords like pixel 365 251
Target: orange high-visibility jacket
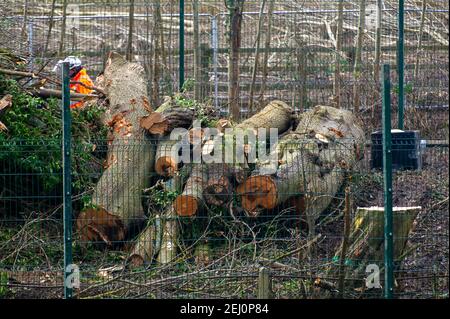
pixel 84 78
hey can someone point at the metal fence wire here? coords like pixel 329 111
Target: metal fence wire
pixel 156 228
pixel 218 251
pixel 293 47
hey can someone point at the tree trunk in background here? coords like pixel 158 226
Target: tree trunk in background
pixel 377 66
pixel 117 195
pixel 63 30
pixel 235 7
pixel 157 61
pixel 50 26
pixel 265 63
pixel 419 46
pixel 144 248
pixel 337 70
pixel 197 55
pixel 256 64
pixel 129 55
pixel 358 54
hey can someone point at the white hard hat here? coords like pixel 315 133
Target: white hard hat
pixel 73 62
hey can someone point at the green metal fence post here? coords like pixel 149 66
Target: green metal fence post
pixel 401 64
pixel 67 180
pixel 387 179
pixel 181 45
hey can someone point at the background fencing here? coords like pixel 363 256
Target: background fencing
pixel 219 254
pixel 299 47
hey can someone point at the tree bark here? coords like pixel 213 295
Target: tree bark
pixel 129 55
pixel 191 201
pixel 218 188
pixel 313 162
pixel 63 29
pixel 366 244
pixel 145 248
pixel 235 7
pixel 276 114
pixel 358 55
pixel 265 67
pixel 166 161
pixel 130 158
pixel 163 122
pixel 337 71
pixel 255 64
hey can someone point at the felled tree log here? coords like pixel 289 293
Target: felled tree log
pixel 218 188
pixel 366 244
pixel 130 158
pixel 168 250
pixel 145 248
pixel 315 159
pixel 276 114
pixel 167 117
pixel 190 202
pixel 162 229
pixel 166 161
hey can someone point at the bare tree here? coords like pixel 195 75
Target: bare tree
pixel 255 65
pixel 50 26
pixel 197 60
pixel 358 54
pixel 266 51
pixel 337 70
pixel 235 8
pixel 63 29
pixel 130 32
pixel 376 70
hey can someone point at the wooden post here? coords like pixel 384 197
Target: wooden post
pixel 264 283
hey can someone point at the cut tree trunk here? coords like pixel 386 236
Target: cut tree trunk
pixel 168 250
pixel 366 244
pixel 314 160
pixel 190 202
pixel 162 229
pixel 167 160
pixel 163 121
pixel 145 246
pixel 130 158
pixel 218 188
pixel 276 114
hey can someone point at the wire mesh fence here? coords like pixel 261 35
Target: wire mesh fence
pixel 218 251
pixel 146 226
pixel 287 50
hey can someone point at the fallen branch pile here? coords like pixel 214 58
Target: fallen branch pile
pixel 310 161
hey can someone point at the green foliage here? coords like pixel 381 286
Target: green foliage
pixel 3 284
pixel 201 114
pixel 162 198
pixel 32 142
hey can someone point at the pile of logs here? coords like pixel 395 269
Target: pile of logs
pixel 311 161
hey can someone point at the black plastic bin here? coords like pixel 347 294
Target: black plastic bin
pixel 406 150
